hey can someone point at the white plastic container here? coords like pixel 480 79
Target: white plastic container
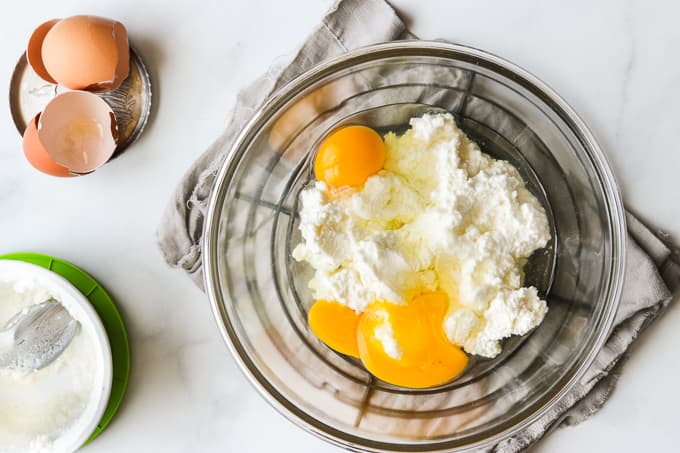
pixel 80 429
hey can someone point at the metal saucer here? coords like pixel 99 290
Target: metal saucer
pixel 130 102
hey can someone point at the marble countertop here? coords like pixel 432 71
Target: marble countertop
pixel 616 62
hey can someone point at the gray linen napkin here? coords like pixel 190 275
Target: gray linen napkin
pixel 652 269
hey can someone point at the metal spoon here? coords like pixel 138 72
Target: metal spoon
pixel 36 336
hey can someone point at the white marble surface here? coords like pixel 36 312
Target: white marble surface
pixel 616 62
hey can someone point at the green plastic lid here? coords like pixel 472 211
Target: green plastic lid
pixel 110 317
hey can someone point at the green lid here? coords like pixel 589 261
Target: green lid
pixel 110 317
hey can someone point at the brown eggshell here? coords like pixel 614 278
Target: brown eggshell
pixel 79 131
pixel 87 53
pixel 34 50
pixel 37 155
pixel 123 69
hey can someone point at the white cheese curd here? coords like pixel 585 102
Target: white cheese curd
pixel 39 407
pixel 441 215
pixel 385 334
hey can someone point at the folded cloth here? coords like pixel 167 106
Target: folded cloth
pixel 652 269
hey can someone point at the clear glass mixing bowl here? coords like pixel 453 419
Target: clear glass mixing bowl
pixel 260 297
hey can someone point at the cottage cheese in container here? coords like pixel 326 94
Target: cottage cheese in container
pixel 40 410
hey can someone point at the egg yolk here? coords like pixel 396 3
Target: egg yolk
pixel 349 156
pixel 424 356
pixel 336 325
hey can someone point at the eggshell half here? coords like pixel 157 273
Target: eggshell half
pixel 79 131
pixel 123 69
pixel 34 50
pixel 87 53
pixel 37 155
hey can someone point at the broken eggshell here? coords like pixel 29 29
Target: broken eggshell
pixel 37 155
pixel 34 50
pixel 87 53
pixel 79 131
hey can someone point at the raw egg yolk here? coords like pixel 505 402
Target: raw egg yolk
pixel 419 354
pixel 336 325
pixel 349 156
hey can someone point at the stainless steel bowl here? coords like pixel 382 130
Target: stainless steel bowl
pixel 259 294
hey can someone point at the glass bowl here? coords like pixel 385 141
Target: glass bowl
pixel 259 294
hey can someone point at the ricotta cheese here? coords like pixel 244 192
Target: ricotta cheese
pixel 39 407
pixel 440 216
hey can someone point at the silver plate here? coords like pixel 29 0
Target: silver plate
pixel 131 102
